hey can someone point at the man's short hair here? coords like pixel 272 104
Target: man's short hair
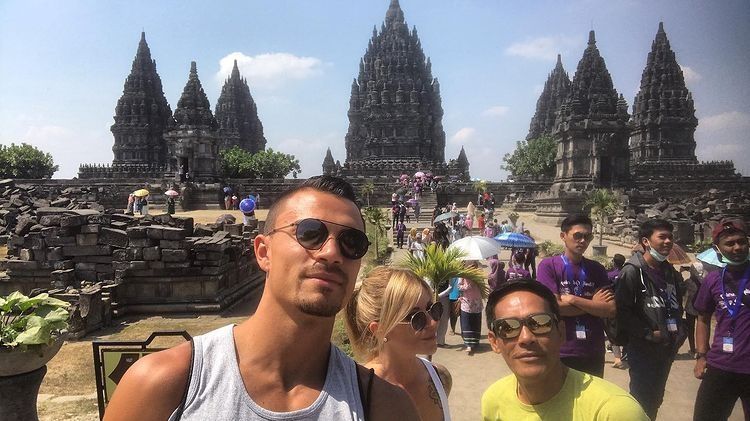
pixel 647 228
pixel 575 219
pixel 618 260
pixel 520 284
pixel 322 183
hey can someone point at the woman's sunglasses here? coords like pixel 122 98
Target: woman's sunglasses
pixel 538 324
pixel 312 233
pixel 418 319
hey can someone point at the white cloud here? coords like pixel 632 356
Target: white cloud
pixel 70 148
pixel 496 111
pixel 691 76
pixel 311 151
pixel 464 135
pixel 542 48
pixel 726 121
pixel 269 70
pixel 722 137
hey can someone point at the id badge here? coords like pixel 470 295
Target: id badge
pixel 672 325
pixel 580 331
pixel 727 344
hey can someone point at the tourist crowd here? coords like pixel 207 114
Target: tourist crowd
pixel 549 326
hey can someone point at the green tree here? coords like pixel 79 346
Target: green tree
pixel 602 203
pixel 378 220
pixel 239 163
pixel 535 158
pixel 440 265
pixel 367 189
pixel 25 161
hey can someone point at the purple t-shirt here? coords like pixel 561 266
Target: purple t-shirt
pixel 613 274
pixel 551 273
pixel 709 299
pixel 516 273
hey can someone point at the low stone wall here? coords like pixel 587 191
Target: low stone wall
pixel 154 263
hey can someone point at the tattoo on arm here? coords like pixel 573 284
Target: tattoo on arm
pixel 434 395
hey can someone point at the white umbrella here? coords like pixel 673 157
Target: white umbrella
pixel 476 247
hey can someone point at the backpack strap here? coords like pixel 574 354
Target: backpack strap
pixel 365 397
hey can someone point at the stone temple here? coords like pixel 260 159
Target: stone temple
pixel 151 142
pixel 395 111
pixel 601 145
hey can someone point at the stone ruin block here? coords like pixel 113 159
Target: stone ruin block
pixel 97 250
pixel 100 219
pixel 63 264
pixel 24 224
pixel 73 220
pixel 93 259
pixel 171 244
pixel 90 228
pixel 155 232
pixel 63 278
pixel 87 239
pixel 113 237
pixel 141 242
pixel 136 232
pixel 233 229
pixel 26 254
pixel 173 234
pixel 22 265
pixel 151 253
pixel 60 241
pixel 170 255
pixel 119 225
pixel 50 220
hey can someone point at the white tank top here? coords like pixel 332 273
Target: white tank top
pixel 440 389
pixel 217 392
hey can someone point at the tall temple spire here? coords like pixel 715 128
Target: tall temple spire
pixel 556 89
pixel 142 113
pixel 193 108
pixel 395 110
pixel 592 124
pixel 663 124
pixel 237 115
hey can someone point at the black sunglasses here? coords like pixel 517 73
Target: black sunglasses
pixel 578 236
pixel 312 233
pixel 418 319
pixel 538 324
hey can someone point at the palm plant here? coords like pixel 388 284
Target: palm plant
pixel 440 265
pixel 603 203
pixel 377 218
pixel 367 189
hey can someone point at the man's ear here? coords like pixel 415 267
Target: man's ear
pixel 494 342
pixel 562 235
pixel 262 252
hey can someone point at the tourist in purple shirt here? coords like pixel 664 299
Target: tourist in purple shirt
pixel 582 290
pixel 724 367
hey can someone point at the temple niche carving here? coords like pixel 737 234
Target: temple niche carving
pixel 591 129
pixel 395 112
pixel 149 142
pixel 556 90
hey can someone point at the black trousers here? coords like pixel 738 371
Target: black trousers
pixel 650 364
pixel 718 393
pixel 590 365
pixel 455 311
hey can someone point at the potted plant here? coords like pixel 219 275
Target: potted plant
pixel 603 203
pixel 31 333
pixel 440 265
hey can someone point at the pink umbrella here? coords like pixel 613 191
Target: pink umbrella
pixel 171 192
pixel 404 176
pixel 419 174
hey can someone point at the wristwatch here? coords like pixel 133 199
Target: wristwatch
pixel 699 355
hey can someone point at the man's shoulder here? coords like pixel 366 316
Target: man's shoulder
pixel 606 399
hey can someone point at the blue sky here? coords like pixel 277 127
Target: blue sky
pixel 63 65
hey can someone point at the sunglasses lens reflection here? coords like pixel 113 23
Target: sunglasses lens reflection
pixel 419 321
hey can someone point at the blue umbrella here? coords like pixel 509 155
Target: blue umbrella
pixel 514 239
pixel 711 257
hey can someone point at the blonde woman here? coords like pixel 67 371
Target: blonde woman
pixel 390 319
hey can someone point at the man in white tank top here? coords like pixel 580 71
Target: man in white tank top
pixel 284 365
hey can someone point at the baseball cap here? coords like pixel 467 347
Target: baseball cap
pixel 727 225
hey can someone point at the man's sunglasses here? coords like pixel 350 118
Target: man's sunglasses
pixel 312 233
pixel 418 319
pixel 538 324
pixel 578 236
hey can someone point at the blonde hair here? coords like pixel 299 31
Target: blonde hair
pixel 386 296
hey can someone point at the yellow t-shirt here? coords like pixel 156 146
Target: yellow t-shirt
pixel 583 397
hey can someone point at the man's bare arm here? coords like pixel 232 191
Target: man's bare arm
pixel 153 387
pixel 566 307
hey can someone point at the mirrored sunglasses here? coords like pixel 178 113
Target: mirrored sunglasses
pixel 578 236
pixel 312 233
pixel 538 324
pixel 418 319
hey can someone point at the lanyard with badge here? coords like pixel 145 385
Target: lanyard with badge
pixel 578 285
pixel 732 308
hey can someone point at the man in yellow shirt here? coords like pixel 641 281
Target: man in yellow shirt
pixel 525 327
